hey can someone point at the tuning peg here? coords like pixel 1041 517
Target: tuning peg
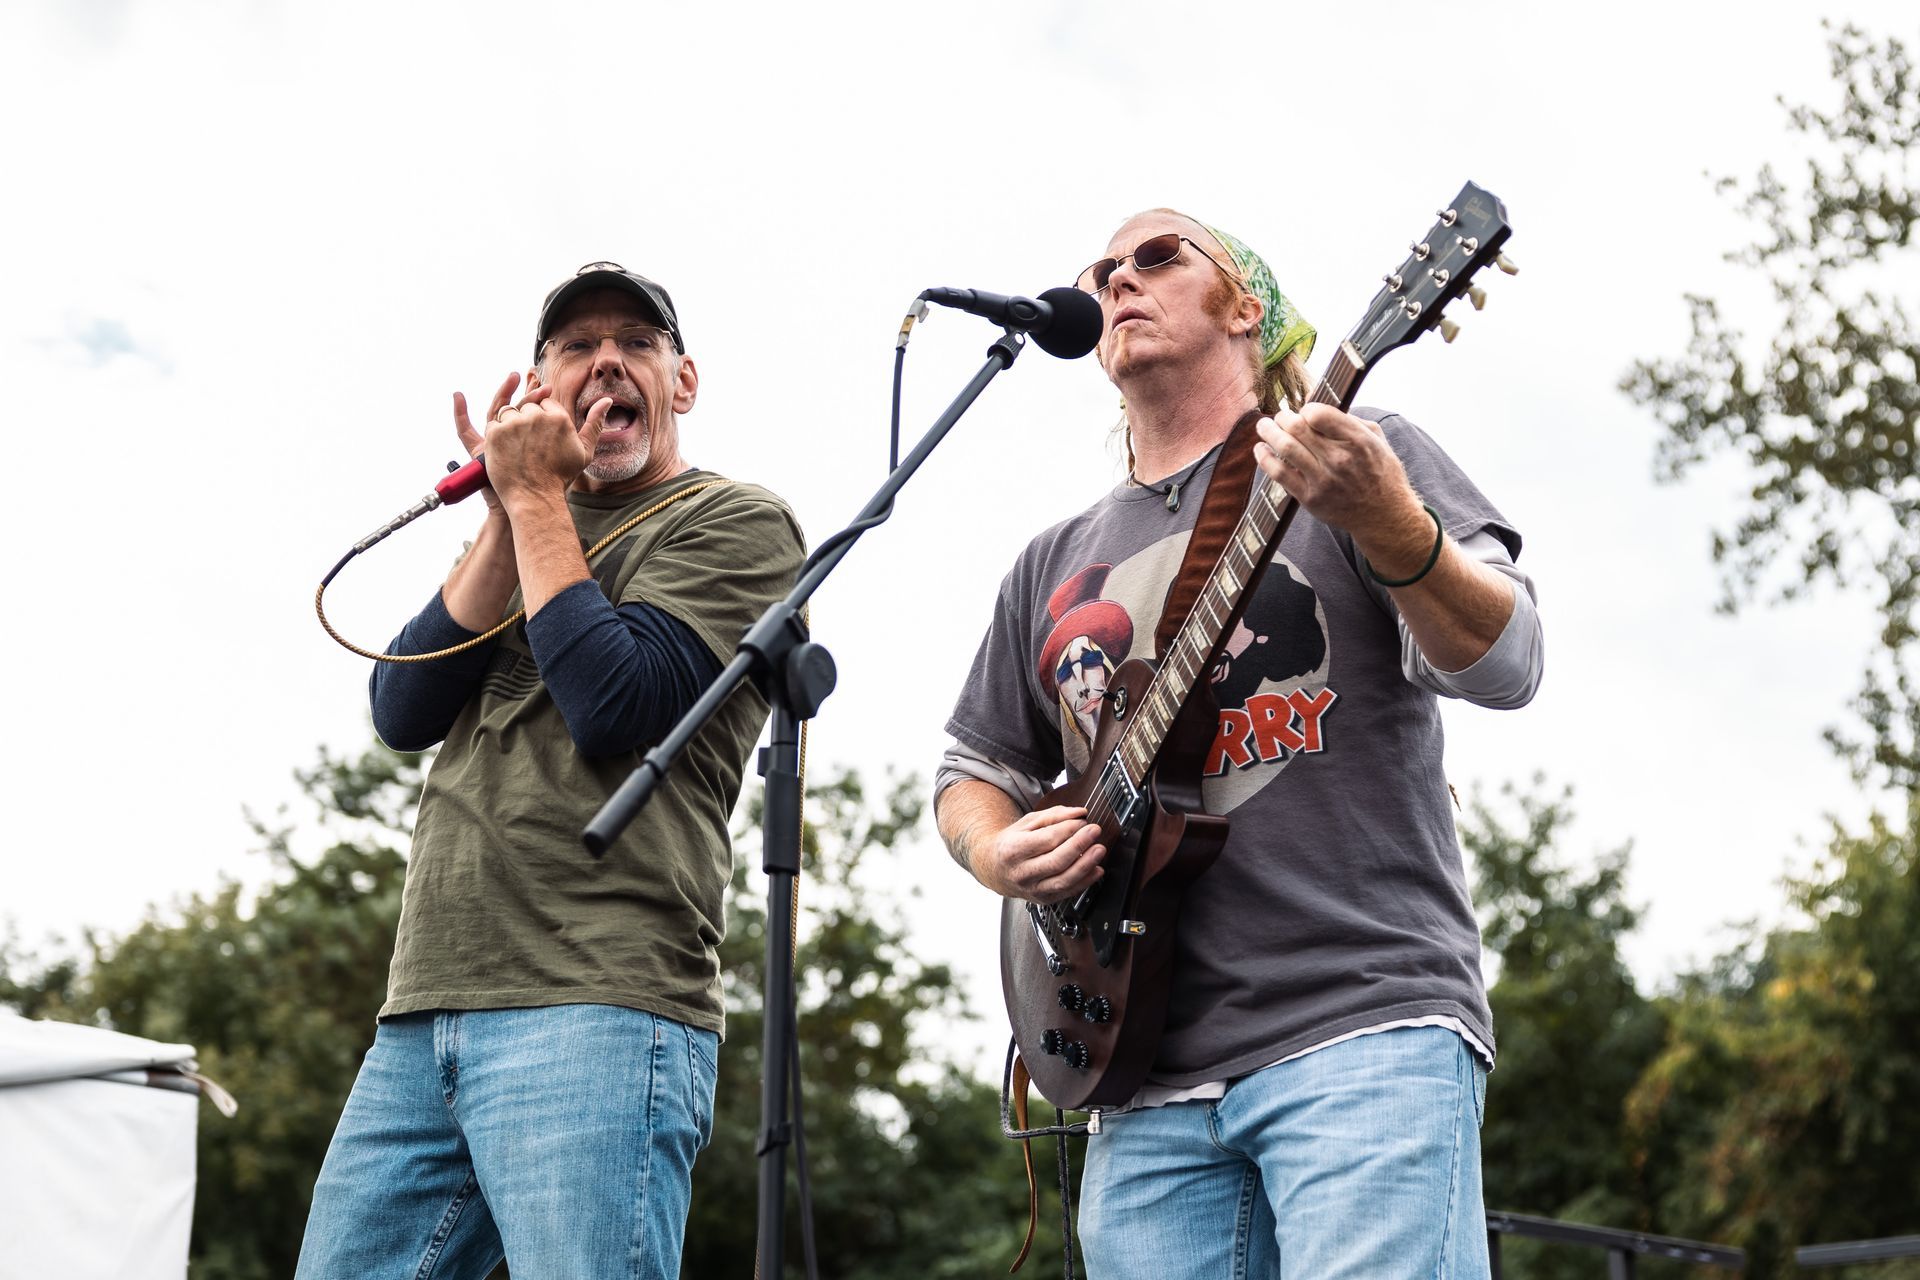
pixel 1448 329
pixel 1505 263
pixel 1477 296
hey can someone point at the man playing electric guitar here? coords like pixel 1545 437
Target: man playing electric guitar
pixel 1315 1096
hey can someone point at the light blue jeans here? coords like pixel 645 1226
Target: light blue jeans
pixel 562 1137
pixel 1361 1160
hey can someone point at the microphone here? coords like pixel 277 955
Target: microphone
pixel 459 482
pixel 462 482
pixel 1064 321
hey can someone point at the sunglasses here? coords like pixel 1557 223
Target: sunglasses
pixel 1154 251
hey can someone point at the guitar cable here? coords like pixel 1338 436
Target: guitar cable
pixel 1060 1131
pixel 321 591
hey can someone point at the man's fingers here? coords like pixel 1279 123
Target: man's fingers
pixel 1284 443
pixel 1047 853
pixel 1062 860
pixel 596 421
pixel 1077 876
pixel 504 396
pixel 1329 423
pixel 1047 817
pixel 463 425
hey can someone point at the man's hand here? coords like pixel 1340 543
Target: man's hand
pixel 1044 856
pixel 534 447
pixel 473 442
pixel 1345 474
pixel 477 591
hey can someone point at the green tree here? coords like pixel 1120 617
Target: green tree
pixel 276 990
pixel 909 1173
pixel 1574 1030
pixel 1781 1111
pixel 1826 419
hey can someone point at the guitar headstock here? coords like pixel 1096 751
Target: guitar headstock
pixel 1439 267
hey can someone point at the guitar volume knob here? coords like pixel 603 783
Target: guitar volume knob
pixel 1076 1055
pixel 1098 1009
pixel 1072 998
pixel 1052 1040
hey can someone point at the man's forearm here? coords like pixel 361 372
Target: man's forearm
pixel 547 547
pixel 477 591
pixel 1458 607
pixel 968 814
pixel 416 703
pixel 1457 611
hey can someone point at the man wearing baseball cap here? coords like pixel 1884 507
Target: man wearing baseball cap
pixel 542 1074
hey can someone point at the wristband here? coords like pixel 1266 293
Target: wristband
pixel 1433 557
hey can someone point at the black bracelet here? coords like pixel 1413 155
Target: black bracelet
pixel 1433 557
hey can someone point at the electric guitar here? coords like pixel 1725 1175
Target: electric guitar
pixel 1086 982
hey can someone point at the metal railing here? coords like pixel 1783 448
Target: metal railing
pixel 1852 1251
pixel 1623 1247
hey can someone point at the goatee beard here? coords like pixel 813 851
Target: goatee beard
pixel 623 464
pixel 620 462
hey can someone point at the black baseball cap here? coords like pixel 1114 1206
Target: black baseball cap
pixel 609 275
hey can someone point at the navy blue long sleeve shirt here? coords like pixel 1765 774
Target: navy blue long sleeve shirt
pixel 620 677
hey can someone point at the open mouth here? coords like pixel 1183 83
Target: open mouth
pixel 621 416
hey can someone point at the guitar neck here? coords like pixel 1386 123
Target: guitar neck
pixel 1202 636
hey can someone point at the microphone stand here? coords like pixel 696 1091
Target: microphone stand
pixel 795 675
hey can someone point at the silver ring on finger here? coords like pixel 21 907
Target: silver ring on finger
pixel 505 409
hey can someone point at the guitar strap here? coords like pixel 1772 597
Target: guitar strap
pixel 1020 1082
pixel 1228 493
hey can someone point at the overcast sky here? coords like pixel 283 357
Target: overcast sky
pixel 252 248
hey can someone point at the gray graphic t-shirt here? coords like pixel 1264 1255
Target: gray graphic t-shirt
pixel 1339 901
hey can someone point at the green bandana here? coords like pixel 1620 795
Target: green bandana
pixel 1282 327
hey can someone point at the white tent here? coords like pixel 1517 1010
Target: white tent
pixel 96 1152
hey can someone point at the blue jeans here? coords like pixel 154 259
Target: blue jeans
pixel 1358 1160
pixel 562 1138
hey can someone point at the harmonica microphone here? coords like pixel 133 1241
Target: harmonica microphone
pixel 460 482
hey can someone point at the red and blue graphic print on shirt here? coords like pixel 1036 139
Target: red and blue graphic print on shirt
pixel 1271 685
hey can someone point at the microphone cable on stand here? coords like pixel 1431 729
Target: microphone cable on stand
pixel 915 313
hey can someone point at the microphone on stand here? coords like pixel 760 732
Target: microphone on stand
pixel 1063 321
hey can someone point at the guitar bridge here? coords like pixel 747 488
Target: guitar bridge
pixel 1055 965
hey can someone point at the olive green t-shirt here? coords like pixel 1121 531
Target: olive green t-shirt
pixel 504 907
